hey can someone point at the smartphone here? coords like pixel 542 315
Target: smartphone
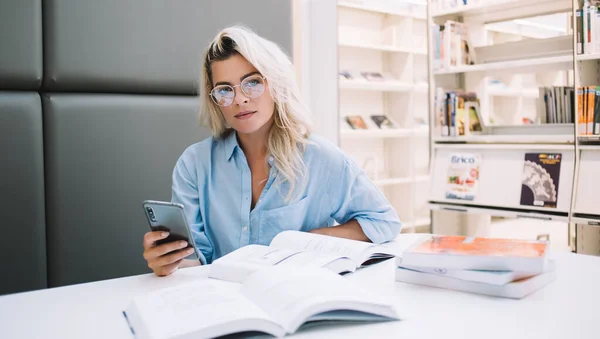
pixel 170 217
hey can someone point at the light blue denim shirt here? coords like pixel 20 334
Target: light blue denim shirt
pixel 212 181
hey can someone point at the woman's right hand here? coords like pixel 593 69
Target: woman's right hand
pixel 164 259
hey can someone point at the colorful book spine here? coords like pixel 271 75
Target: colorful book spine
pixel 579 22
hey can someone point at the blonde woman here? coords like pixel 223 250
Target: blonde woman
pixel 262 171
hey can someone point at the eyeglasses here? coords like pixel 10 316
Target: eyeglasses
pixel 252 86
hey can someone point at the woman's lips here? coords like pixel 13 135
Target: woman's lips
pixel 245 114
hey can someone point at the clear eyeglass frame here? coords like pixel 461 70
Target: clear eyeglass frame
pixel 224 95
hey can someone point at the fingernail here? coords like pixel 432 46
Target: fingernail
pixel 183 244
pixel 189 250
pixel 164 234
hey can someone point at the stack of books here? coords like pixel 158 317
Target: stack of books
pixel 509 268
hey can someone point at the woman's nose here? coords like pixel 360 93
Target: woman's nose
pixel 240 96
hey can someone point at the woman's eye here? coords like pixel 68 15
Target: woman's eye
pixel 253 82
pixel 223 91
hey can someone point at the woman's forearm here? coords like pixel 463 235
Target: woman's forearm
pixel 349 230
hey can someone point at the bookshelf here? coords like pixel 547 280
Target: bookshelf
pixel 519 47
pixel 585 214
pixel 499 10
pixel 387 40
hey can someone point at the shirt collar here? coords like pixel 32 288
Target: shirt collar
pixel 230 145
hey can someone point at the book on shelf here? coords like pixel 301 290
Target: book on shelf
pixel 299 249
pixel 277 300
pixel 420 122
pixel 356 122
pixel 370 76
pixel 556 105
pixel 539 184
pixel 458 113
pixel 463 176
pixel 451 45
pixel 444 5
pixel 588 27
pixel 383 122
pixel 588 110
pixel 478 253
pixel 347 75
pixel 373 76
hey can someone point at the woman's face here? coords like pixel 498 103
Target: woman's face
pixel 247 112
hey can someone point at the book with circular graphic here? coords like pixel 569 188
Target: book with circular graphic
pixel 539 183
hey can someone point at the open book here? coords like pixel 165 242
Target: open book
pixel 276 300
pixel 295 248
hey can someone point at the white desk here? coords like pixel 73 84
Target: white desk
pixel 567 308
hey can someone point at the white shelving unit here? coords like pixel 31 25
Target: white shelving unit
pixel 383 48
pixel 399 8
pixel 490 11
pixel 382 133
pixel 387 37
pixel 585 211
pixel 524 45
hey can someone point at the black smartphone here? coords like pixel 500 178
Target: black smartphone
pixel 170 217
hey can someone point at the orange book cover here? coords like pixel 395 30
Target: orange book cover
pixel 477 246
pixel 589 121
pixel 580 97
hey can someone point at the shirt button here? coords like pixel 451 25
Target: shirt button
pixel 245 228
pixel 246 198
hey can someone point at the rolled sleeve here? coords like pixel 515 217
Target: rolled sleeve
pixel 185 192
pixel 354 196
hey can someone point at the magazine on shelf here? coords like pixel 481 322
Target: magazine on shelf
pixel 463 176
pixel 541 174
pixel 277 300
pixel 295 248
pixel 356 122
pixel 382 122
pixel 478 253
pixel 373 76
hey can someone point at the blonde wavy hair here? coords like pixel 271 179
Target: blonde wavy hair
pixel 292 124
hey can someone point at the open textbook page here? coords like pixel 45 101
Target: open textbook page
pixel 276 300
pixel 294 296
pixel 362 253
pixel 205 309
pixel 239 264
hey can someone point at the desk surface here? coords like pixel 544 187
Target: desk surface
pixel 567 308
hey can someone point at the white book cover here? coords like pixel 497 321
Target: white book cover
pixel 487 277
pixel 514 290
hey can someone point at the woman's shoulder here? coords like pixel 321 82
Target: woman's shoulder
pixel 324 151
pixel 199 151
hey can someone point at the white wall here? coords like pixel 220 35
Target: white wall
pixel 316 60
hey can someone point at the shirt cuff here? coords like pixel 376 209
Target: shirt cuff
pixel 379 231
